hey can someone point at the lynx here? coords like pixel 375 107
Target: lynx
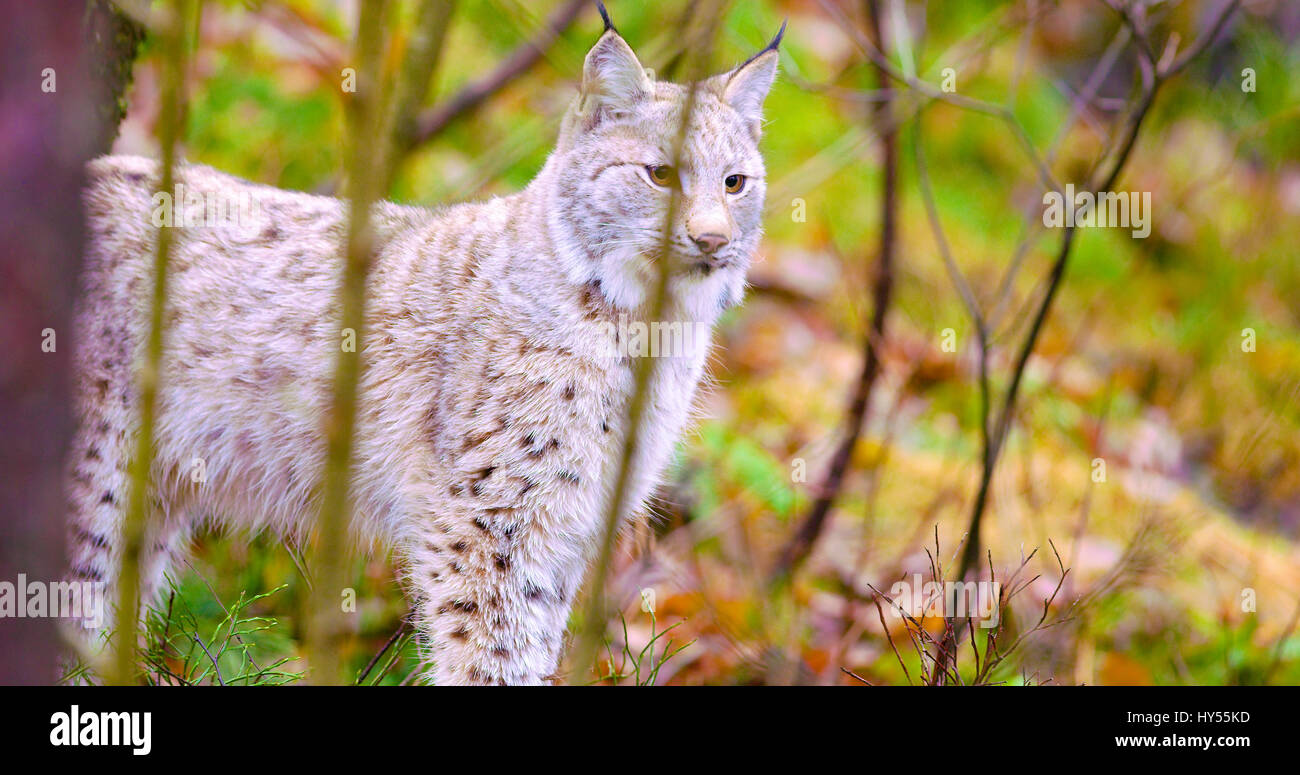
pixel 492 411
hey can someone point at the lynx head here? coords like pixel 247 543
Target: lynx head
pixel 613 173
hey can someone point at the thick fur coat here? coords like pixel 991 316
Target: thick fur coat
pixel 492 405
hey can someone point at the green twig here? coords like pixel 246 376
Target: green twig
pixel 124 669
pixel 594 620
pixel 371 163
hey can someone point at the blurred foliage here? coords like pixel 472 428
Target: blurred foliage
pixel 1141 364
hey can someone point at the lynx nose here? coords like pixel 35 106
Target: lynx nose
pixel 710 243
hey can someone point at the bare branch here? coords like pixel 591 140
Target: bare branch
pixel 1119 157
pixel 801 543
pixel 420 60
pixel 1192 52
pixel 520 61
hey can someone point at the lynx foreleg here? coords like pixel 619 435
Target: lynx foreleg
pixel 492 596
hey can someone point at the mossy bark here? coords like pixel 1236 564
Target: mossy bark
pixel 112 41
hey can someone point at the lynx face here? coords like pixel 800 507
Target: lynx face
pixel 616 173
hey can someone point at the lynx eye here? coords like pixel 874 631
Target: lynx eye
pixel 734 183
pixel 661 174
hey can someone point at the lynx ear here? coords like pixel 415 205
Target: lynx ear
pixel 612 77
pixel 745 88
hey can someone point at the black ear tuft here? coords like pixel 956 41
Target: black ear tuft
pixel 609 25
pixel 773 46
pixel 779 34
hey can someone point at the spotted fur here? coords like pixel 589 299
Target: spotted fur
pixel 491 410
